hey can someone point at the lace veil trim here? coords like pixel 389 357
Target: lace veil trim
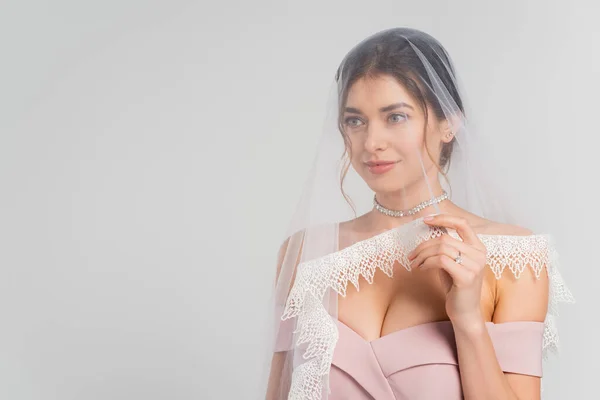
pixel 316 329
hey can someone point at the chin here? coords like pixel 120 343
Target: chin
pixel 385 185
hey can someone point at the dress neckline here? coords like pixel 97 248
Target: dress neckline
pixel 430 324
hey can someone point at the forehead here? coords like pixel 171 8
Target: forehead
pixel 372 93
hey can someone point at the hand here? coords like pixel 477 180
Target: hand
pixel 462 282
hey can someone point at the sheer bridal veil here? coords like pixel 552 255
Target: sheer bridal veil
pixel 319 256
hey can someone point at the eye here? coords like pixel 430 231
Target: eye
pixel 401 115
pixel 349 122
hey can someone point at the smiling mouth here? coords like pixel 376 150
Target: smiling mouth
pixel 380 167
pixel 375 163
pixel 379 163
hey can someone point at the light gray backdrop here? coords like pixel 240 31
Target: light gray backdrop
pixel 152 153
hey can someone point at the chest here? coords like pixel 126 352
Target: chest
pixel 406 299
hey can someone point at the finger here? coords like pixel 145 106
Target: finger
pixel 459 224
pixel 466 263
pixel 452 254
pixel 443 262
pixel 461 277
pixel 436 249
pixel 436 242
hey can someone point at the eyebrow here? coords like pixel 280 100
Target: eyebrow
pixel 382 109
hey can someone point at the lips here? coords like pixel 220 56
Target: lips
pixel 380 167
pixel 375 163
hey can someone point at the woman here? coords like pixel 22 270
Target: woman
pixel 449 297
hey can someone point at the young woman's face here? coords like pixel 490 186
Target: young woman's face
pixel 385 131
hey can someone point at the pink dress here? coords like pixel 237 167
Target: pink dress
pixel 415 363
pixel 420 362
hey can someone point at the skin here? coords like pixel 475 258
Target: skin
pixel 437 288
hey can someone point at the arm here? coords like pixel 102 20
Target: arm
pixel 278 384
pixel 523 299
pixel 275 388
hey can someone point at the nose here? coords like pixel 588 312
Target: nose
pixel 375 139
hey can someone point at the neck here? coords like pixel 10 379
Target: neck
pixel 406 199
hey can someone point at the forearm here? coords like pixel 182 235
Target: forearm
pixel 480 372
pixel 274 388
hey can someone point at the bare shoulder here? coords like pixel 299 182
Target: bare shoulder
pixel 289 251
pixel 519 297
pixel 354 230
pixel 497 228
pixel 488 227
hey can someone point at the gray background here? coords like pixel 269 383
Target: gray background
pixel 152 153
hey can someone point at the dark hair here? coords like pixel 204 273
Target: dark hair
pixel 389 53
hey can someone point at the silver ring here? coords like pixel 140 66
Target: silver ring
pixel 458 258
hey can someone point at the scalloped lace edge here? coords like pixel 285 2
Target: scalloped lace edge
pixel 317 329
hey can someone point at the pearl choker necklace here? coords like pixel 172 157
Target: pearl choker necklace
pixel 412 211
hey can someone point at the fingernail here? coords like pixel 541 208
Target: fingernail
pixel 428 218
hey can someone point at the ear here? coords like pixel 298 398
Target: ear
pixel 449 128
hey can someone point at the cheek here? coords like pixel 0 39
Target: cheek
pixel 356 158
pixel 355 148
pixel 434 146
pixel 408 143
